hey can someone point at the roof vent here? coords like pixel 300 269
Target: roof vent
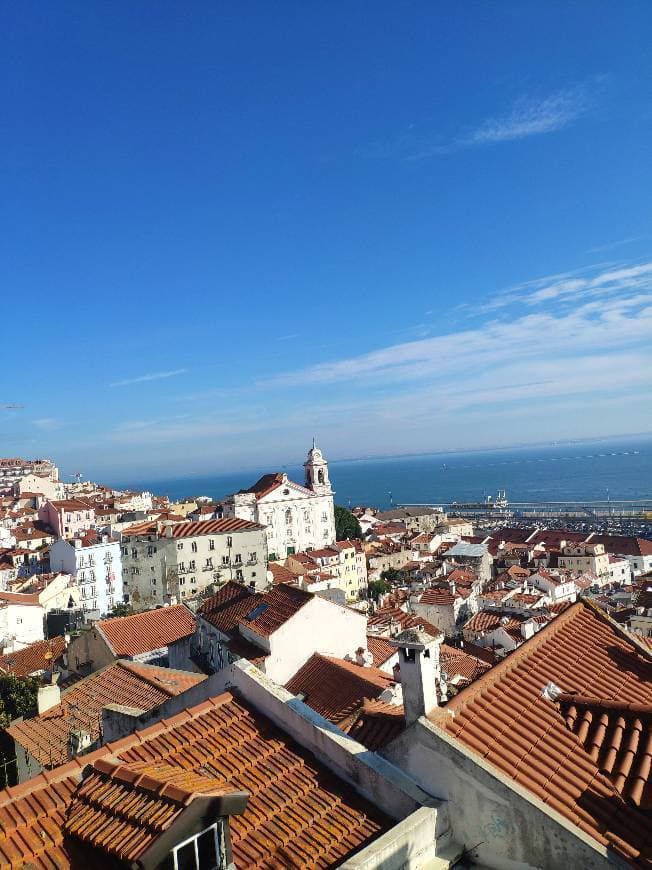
pixel 551 691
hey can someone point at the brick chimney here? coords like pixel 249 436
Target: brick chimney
pixel 420 671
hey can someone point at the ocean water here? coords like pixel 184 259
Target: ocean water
pixel 581 471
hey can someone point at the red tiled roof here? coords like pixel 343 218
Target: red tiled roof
pixel 622 545
pixel 263 614
pixel 281 574
pixel 618 738
pixel 335 688
pixel 488 620
pixel 299 814
pixel 504 719
pixel 438 597
pixel 213 527
pixel 458 663
pixel 228 606
pixel 376 724
pixel 277 606
pixel 269 482
pixel 39 656
pixel 149 630
pixel 381 649
pixel 123 809
pixel 47 737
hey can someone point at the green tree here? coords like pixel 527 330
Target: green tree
pixel 18 697
pixel 120 609
pixel 393 575
pixel 376 588
pixel 346 525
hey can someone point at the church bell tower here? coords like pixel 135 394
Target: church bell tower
pixel 317 472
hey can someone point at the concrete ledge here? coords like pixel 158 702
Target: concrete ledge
pixel 411 844
pixel 395 793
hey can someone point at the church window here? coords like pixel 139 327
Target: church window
pixel 320 475
pixel 288 517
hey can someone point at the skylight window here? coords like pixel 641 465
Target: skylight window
pixel 256 612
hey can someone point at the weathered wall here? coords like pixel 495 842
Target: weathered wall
pixel 510 829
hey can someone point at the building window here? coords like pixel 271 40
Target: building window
pixel 238 558
pixel 180 545
pixel 239 575
pixel 209 561
pixel 211 544
pixel 193 580
pixel 225 560
pixel 191 565
pixel 229 541
pixel 193 546
pixel 253 557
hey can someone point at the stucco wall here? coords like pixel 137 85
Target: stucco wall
pixel 509 829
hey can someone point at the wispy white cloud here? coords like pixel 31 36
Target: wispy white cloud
pixel 287 337
pixel 573 287
pixel 153 376
pixel 610 246
pixel 530 115
pixel 48 424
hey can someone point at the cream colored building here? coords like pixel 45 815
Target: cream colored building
pixel 586 559
pixel 174 562
pixel 344 562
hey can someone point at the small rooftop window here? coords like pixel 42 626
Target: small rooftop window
pixel 256 612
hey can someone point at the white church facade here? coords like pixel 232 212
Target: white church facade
pixel 296 517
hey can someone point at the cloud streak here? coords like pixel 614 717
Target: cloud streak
pixel 534 117
pixel 529 116
pixel 153 376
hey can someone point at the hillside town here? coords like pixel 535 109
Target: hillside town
pixel 270 680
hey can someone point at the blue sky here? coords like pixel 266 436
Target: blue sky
pixel 226 227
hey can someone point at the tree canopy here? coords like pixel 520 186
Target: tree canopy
pixel 346 525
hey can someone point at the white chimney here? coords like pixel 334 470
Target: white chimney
pixel 419 660
pixel 48 696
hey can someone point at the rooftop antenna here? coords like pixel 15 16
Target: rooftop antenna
pixel 313 442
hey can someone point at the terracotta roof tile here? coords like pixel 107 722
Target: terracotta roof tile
pixel 299 814
pixel 335 688
pixel 376 724
pixel 146 631
pixel 503 718
pixel 381 649
pixel 228 606
pixel 47 737
pixel 456 663
pixel 618 738
pixel 213 527
pixel 39 656
pixel 275 608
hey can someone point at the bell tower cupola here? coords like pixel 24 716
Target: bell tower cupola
pixel 317 472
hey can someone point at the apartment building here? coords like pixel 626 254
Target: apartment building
pixel 164 563
pixel 95 563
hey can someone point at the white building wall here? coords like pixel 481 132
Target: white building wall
pixel 97 570
pixel 319 626
pixel 20 625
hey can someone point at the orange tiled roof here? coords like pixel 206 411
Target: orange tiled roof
pixel 377 724
pixel 123 809
pixel 275 608
pixel 281 574
pixel 457 663
pixel 335 688
pixel 47 737
pixel 299 815
pixel 269 482
pixel 380 648
pixel 149 630
pixel 213 527
pixel 228 606
pixel 618 737
pixel 39 656
pixel 489 620
pixel 504 719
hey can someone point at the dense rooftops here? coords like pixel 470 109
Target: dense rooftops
pixel 299 814
pixel 47 737
pixel 40 656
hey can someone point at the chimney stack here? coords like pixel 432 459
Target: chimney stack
pixel 419 660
